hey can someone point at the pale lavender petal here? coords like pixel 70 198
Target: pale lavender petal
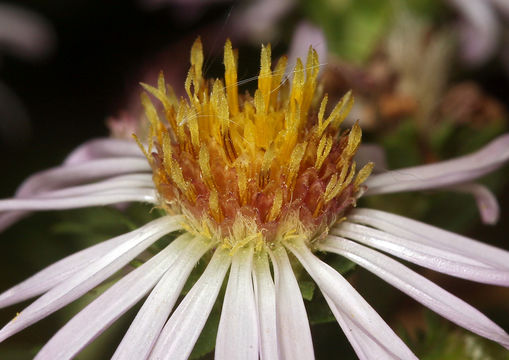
pixel 346 298
pixel 59 177
pixel 304 36
pixel 103 148
pixel 352 229
pixel 365 347
pixel 371 153
pixel 70 175
pixel 479 32
pixel 486 202
pixel 180 333
pixel 11 217
pixel 423 255
pixel 189 5
pixel 73 202
pixel 143 181
pixel 25 33
pixel 110 305
pixel 119 182
pixel 418 287
pixel 294 335
pixel 258 19
pixel 58 272
pixel 444 173
pixel 503 6
pixel 237 335
pixel 266 304
pixel 92 275
pixel 452 245
pixel 145 328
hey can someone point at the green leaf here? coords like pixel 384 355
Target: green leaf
pixel 341 264
pixel 19 352
pixel 198 270
pixel 440 341
pixel 352 27
pixel 136 263
pixel 163 242
pixel 441 135
pixel 318 310
pixel 402 145
pixel 307 288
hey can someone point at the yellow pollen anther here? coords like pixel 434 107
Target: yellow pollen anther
pixel 230 77
pixel 276 206
pixel 277 77
pixel 204 161
pixel 214 205
pixel 295 159
pixel 173 168
pixel 364 173
pixel 265 77
pixel 339 113
pixel 324 148
pixel 269 156
pixel 197 60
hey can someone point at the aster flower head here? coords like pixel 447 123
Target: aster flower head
pixel 248 179
pixel 259 169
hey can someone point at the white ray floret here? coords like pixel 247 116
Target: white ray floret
pixel 444 173
pixel 119 184
pixel 81 173
pixel 91 276
pixel 180 333
pixel 293 333
pixel 364 345
pixel 145 328
pixel 418 287
pixel 103 148
pixel 237 335
pixel 266 307
pixel 58 272
pixel 74 202
pixel 423 255
pixel 122 182
pixel 110 305
pixel 346 298
pixel 450 243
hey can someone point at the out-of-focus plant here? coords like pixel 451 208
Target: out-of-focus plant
pixel 26 35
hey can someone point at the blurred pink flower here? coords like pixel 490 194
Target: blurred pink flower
pixel 29 36
pixel 480 28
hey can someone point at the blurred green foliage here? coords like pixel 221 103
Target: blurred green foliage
pixel 441 342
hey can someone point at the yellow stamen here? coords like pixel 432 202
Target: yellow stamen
pixel 276 206
pixel 324 148
pixel 265 78
pixel 364 173
pixel 230 77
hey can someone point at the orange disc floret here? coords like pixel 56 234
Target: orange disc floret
pixel 263 167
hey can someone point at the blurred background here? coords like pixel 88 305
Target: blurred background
pixel 430 80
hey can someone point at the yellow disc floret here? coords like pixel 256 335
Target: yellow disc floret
pixel 260 168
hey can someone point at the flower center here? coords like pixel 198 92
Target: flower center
pixel 260 168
